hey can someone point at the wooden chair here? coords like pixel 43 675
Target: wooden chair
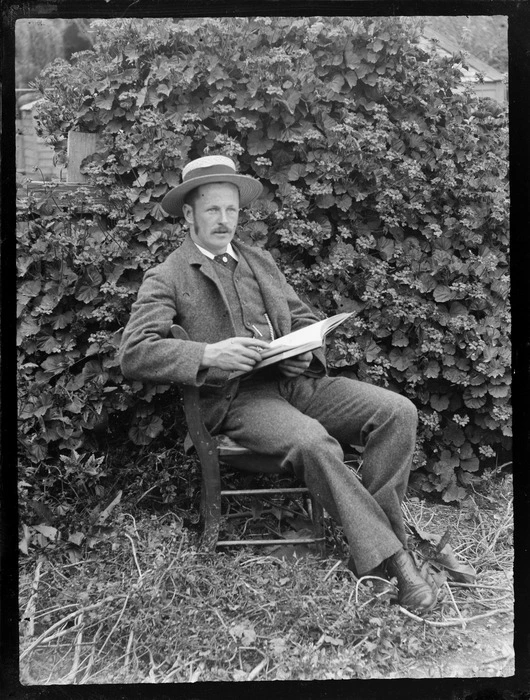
pixel 213 451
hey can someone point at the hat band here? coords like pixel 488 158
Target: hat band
pixel 211 170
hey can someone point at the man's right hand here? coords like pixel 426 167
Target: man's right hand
pixel 234 354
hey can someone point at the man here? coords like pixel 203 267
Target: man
pixel 231 299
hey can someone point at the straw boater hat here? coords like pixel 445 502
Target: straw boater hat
pixel 208 169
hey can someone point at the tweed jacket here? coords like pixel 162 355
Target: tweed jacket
pixel 185 290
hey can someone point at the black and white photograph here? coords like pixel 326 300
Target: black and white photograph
pixel 263 349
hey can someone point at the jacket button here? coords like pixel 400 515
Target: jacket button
pixel 228 397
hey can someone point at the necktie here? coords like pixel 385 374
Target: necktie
pixel 226 261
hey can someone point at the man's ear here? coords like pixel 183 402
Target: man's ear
pixel 187 211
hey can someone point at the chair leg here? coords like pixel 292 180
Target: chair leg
pixel 317 513
pixel 210 527
pixel 210 501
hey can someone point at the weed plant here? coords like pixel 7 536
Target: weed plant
pixel 129 597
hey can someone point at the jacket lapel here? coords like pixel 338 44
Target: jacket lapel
pixel 197 259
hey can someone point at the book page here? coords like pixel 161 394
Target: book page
pixel 296 343
pixel 313 333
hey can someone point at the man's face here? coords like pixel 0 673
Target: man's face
pixel 214 215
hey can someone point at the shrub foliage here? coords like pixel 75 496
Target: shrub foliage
pixel 386 194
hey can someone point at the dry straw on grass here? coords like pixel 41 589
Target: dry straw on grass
pixel 145 606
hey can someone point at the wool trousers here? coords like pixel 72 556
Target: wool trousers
pixel 306 420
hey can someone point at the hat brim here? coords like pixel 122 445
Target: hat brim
pixel 249 190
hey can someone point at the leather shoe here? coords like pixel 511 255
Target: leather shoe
pixel 413 590
pixel 377 576
pixel 380 583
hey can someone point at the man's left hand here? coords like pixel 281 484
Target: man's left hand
pixel 293 366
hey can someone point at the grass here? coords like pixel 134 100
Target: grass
pixel 136 602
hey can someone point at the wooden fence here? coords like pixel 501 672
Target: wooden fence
pixel 36 159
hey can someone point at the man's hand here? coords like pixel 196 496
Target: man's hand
pixel 233 354
pixel 293 366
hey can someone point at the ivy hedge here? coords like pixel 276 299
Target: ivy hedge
pixel 385 193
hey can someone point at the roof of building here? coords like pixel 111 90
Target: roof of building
pixel 445 45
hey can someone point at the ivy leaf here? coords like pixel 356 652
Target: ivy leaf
pixel 76 382
pixel 87 292
pixel 26 328
pixel 131 52
pixel 400 339
pixel 76 538
pixel 104 102
pixel 458 309
pixel 499 391
pixel 324 201
pixel 371 351
pixel 258 144
pixel 172 178
pixel 442 294
pixel 62 320
pixel 142 178
pixel 75 405
pixel 55 363
pixel 454 375
pixel 291 101
pixel 444 555
pixel 93 370
pixel 344 203
pixel 51 344
pixel 336 84
pixel 37 452
pixel 140 97
pixel 26 539
pixel 49 532
pixel 470 465
pixel 351 57
pixel 428 283
pixel 30 288
pixel 351 78
pixel 158 213
pixel 454 434
pixel 432 370
pixel 453 493
pixel 401 360
pixel 295 172
pixel 438 402
pixel 64 431
pixel 474 401
pixel 386 247
pixel 144 433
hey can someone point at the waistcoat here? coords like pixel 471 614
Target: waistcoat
pixel 244 298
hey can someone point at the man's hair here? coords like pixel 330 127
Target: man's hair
pixel 193 195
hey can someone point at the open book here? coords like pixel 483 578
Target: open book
pixel 296 343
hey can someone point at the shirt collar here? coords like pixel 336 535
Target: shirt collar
pixel 230 250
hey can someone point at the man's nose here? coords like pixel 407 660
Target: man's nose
pixel 223 217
